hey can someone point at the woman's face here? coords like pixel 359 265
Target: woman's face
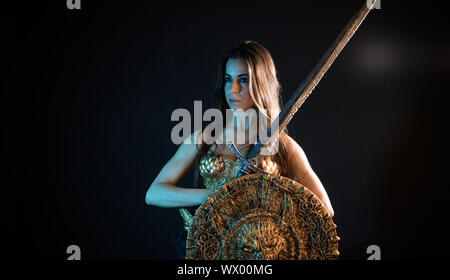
pixel 236 87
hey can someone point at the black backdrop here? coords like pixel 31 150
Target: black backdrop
pixel 88 94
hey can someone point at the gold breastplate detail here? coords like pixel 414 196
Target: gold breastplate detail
pixel 217 169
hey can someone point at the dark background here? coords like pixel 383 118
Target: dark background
pixel 88 94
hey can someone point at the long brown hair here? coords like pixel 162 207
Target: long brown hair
pixel 264 90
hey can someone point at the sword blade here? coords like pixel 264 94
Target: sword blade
pixel 309 83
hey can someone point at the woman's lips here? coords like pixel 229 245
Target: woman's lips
pixel 234 100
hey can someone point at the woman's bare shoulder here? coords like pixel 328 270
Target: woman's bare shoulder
pixel 297 159
pixel 291 145
pixel 188 148
pixel 197 139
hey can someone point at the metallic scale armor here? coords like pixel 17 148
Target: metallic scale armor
pixel 215 171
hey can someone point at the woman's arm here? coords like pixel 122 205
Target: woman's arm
pixel 299 167
pixel 163 191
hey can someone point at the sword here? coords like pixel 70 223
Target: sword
pixel 303 90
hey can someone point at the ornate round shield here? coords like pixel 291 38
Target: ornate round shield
pixel 262 217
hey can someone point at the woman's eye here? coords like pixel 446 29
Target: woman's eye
pixel 228 80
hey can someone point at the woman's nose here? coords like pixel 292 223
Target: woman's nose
pixel 236 86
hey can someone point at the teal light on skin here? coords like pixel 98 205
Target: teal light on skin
pixel 237 84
